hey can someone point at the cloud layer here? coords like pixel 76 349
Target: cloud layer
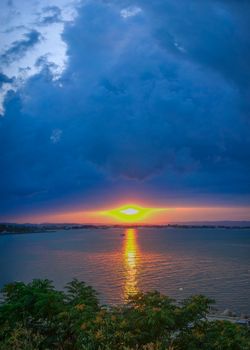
pixel 153 102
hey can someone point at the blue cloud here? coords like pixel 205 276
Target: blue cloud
pixel 20 47
pixel 4 79
pixel 155 102
pixel 49 15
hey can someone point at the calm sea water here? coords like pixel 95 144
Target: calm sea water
pixel 117 262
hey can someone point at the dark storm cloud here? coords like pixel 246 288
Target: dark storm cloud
pixel 20 47
pixel 214 34
pixel 153 100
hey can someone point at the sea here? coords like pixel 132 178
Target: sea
pixel 119 262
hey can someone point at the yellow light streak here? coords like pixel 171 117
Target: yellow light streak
pixel 130 258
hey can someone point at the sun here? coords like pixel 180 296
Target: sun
pixel 129 213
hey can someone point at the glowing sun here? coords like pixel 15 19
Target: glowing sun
pixel 129 213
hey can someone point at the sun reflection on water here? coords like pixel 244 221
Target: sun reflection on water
pixel 130 259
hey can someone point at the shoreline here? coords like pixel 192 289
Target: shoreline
pixel 9 229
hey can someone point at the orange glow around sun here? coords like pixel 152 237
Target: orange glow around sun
pixel 134 213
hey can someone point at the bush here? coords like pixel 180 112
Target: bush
pixel 36 316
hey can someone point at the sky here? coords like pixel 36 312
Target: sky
pixel 107 102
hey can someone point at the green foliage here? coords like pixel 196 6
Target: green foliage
pixel 36 316
pixel 217 335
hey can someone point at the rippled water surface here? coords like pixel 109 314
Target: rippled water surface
pixel 117 262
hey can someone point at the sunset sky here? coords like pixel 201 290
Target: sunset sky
pixel 107 102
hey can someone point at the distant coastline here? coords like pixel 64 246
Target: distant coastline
pixel 15 228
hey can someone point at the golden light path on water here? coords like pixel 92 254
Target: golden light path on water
pixel 130 260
